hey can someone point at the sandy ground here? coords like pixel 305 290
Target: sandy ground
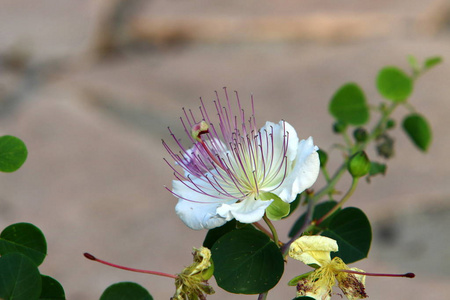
pixel 95 176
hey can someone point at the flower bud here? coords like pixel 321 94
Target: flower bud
pixel 339 127
pixel 359 164
pixel 360 134
pixel 390 124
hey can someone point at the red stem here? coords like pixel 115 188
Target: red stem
pixel 408 275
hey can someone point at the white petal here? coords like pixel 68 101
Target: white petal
pixel 247 211
pixel 304 173
pixel 200 213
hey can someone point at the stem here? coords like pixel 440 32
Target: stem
pixel 263 296
pixel 308 219
pixel 340 203
pixel 272 229
pixel 330 186
pixel 92 257
pixel 260 227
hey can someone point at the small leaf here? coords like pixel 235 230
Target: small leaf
pixel 126 291
pixel 13 153
pixel 246 261
pixel 278 209
pixel 377 168
pixel 24 238
pixel 19 278
pixel 412 60
pixel 393 84
pixel 319 211
pixel 431 62
pixel 351 230
pixel 294 204
pixel 323 158
pixel 417 128
pixel 349 105
pixel 51 289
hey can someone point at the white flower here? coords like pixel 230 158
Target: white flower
pixel 232 166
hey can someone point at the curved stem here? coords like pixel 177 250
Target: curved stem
pixel 340 203
pixel 272 229
pixel 260 227
pixel 263 296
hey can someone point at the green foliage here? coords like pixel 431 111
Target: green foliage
pixel 51 289
pixel 349 105
pixel 278 209
pixel 246 261
pixel 126 291
pixel 13 153
pixel 323 157
pixel 393 84
pixel 296 279
pixel 303 298
pixel 214 234
pixel 431 62
pixel 19 278
pixel 353 233
pixel 418 130
pixel 22 249
pixel 24 238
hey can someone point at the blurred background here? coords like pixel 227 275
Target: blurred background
pixel 91 87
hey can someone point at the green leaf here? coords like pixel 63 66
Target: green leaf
pixel 319 211
pixel 417 128
pixel 351 230
pixel 246 261
pixel 51 289
pixel 19 278
pixel 431 62
pixel 323 158
pixel 24 238
pixel 349 105
pixel 126 291
pixel 278 209
pixel 214 234
pixel 393 84
pixel 294 204
pixel 412 60
pixel 13 153
pixel 304 298
pixel 377 168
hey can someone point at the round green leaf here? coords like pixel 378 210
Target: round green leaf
pixel 417 128
pixel 319 211
pixel 13 153
pixel 246 261
pixel 278 209
pixel 51 289
pixel 24 238
pixel 19 278
pixel 126 291
pixel 393 84
pixel 351 230
pixel 349 105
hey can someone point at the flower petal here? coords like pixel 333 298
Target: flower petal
pixel 352 285
pixel 313 249
pixel 247 211
pixel 304 173
pixel 198 214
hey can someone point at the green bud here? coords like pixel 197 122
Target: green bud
pixel 358 164
pixel 390 124
pixel 339 127
pixel 360 135
pixel 323 158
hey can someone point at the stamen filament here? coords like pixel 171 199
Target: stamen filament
pixel 92 257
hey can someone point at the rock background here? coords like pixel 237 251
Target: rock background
pixel 92 99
